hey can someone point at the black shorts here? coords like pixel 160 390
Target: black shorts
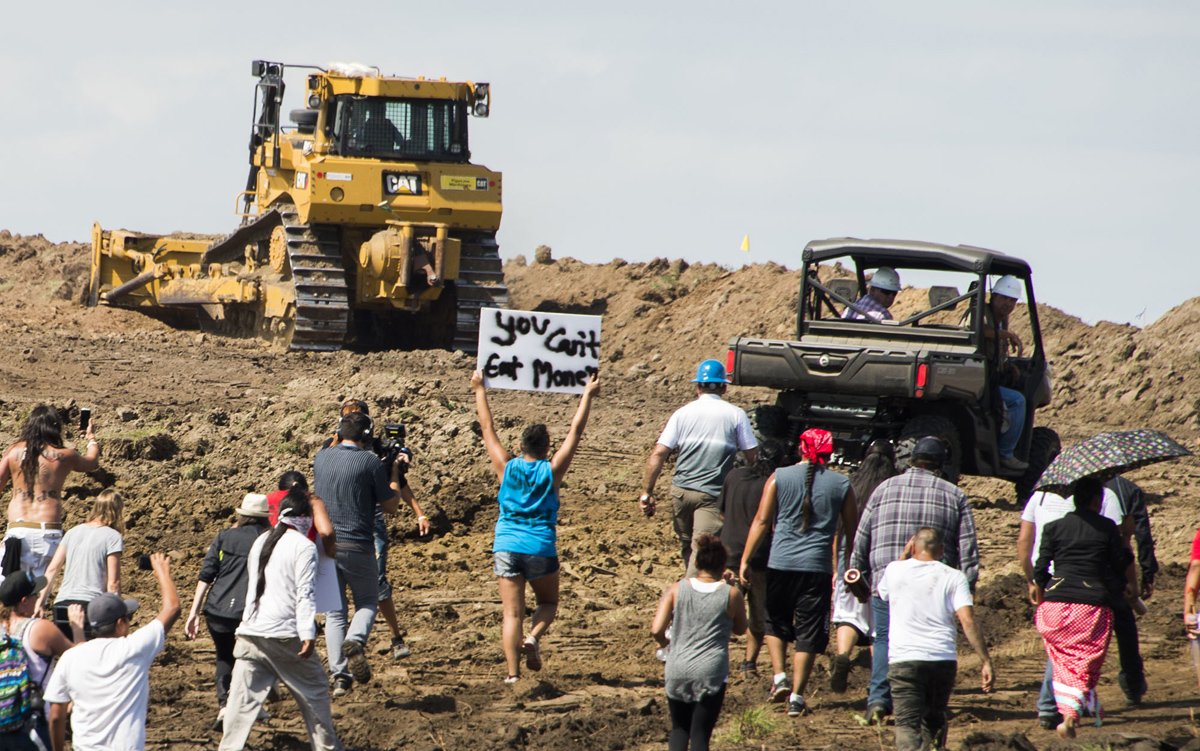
pixel 798 605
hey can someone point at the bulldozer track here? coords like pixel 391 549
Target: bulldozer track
pixel 480 284
pixel 322 297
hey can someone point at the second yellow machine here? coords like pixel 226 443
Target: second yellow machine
pixel 364 222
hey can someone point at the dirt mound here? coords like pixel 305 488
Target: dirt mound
pixel 662 317
pixel 189 422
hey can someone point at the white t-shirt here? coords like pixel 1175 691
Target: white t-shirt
pixel 708 433
pixel 922 598
pixel 1043 508
pixel 288 606
pixel 109 681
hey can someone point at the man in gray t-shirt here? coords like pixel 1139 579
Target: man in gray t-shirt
pixel 708 434
pixel 353 483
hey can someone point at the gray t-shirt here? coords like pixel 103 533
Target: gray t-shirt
pixel 85 574
pixel 811 549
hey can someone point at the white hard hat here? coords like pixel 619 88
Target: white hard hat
pixel 1009 286
pixel 886 279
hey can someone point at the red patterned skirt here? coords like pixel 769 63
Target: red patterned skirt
pixel 1077 638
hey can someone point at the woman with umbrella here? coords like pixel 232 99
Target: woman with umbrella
pixel 1082 569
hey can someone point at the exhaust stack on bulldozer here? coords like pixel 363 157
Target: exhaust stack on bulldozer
pixel 363 222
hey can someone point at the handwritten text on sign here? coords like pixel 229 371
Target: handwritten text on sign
pixel 538 351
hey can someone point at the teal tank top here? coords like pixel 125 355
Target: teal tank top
pixel 528 510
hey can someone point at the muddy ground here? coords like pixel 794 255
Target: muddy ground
pixel 189 422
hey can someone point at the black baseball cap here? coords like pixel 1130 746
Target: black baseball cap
pixel 931 448
pixel 18 585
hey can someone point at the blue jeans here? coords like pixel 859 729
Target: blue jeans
pixel 357 569
pixel 1046 705
pixel 880 691
pixel 381 551
pixel 1015 402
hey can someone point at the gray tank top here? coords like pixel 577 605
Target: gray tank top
pixel 698 663
pixel 811 549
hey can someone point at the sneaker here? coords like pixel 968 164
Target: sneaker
pixel 779 691
pixel 839 674
pixel 511 679
pixel 1013 464
pixel 533 654
pixel 796 706
pixel 876 714
pixel 341 686
pixel 399 649
pixel 219 723
pixel 747 669
pixel 1049 721
pixel 356 660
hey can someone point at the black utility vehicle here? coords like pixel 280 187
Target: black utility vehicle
pixel 922 374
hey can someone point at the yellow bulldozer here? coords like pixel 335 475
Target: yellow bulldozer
pixel 364 223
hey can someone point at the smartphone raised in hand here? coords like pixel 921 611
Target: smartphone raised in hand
pixel 144 563
pixel 85 417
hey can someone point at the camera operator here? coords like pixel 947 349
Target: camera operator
pixel 354 484
pixel 390 449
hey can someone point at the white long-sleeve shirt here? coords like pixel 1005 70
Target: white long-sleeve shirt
pixel 288 606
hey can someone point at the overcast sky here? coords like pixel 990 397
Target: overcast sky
pixel 1063 133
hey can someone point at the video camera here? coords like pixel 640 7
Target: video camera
pixel 390 446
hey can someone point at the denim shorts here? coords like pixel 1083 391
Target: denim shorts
pixel 510 565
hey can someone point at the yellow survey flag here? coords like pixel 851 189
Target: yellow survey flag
pixel 746 243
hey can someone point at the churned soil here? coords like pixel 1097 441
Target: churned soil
pixel 189 422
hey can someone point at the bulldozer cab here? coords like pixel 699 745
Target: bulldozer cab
pixel 399 129
pixel 363 222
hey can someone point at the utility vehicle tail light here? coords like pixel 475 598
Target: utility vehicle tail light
pixel 730 358
pixel 922 379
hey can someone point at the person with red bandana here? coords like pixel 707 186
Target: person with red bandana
pixel 805 503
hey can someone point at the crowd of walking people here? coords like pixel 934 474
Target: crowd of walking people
pixel 786 549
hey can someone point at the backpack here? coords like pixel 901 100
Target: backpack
pixel 20 697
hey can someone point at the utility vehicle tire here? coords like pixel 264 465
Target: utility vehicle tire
pixel 1044 446
pixel 939 427
pixel 770 422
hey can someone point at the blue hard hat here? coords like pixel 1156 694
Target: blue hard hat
pixel 710 371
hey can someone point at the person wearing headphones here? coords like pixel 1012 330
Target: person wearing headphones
pixel 997 338
pixel 881 293
pixel 708 433
pixel 354 484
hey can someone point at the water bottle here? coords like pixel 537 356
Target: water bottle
pixel 662 652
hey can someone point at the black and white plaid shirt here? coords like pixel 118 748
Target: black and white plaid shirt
pixel 902 505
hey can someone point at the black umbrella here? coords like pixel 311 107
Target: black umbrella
pixel 1108 455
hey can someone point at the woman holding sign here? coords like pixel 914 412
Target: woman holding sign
pixel 526 532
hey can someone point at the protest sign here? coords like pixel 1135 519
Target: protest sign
pixel 530 351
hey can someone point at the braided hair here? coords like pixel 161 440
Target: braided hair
pixel 816 446
pixel 42 430
pixel 295 503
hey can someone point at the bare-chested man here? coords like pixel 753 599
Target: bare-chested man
pixel 35 511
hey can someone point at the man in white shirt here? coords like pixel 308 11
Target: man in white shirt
pixel 108 678
pixel 708 434
pixel 924 596
pixel 1041 509
pixel 277 637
